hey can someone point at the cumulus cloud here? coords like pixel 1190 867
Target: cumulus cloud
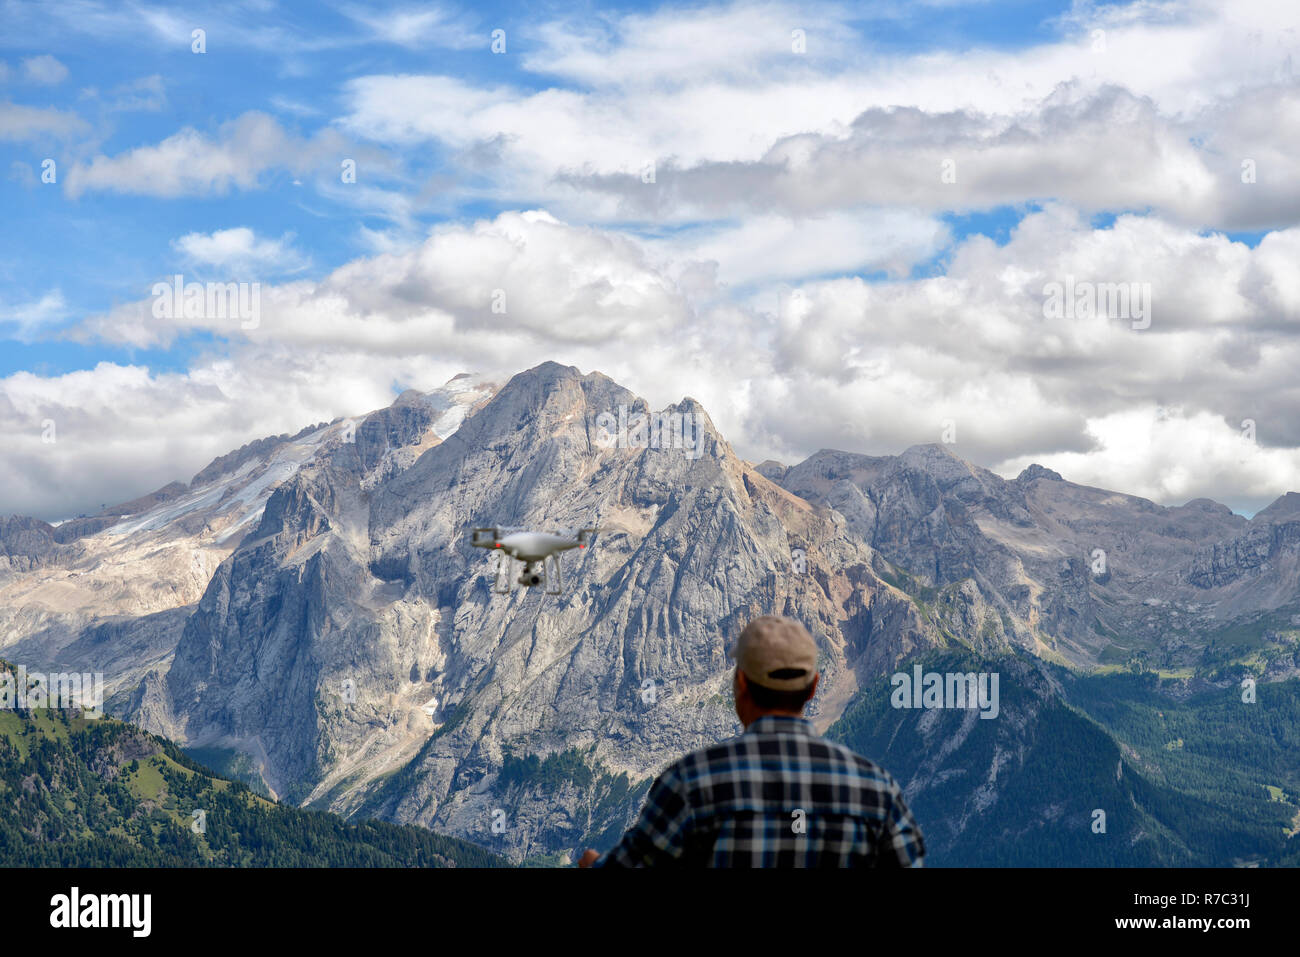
pixel 1102 150
pixel 1176 455
pixel 504 286
pixel 762 249
pixel 877 367
pixel 840 363
pixel 1161 114
pixel 121 430
pixel 495 296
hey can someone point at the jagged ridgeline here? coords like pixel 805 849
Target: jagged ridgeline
pixel 95 792
pixel 308 613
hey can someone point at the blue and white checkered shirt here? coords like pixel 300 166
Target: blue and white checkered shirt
pixel 778 795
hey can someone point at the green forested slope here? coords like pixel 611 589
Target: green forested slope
pixel 80 792
pixel 1206 781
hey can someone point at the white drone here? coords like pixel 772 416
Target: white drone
pixel 534 549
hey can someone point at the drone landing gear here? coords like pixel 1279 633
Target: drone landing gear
pixel 549 574
pixel 553 575
pixel 501 583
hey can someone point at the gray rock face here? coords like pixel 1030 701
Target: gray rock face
pixel 287 620
pixel 347 610
pixel 1036 471
pixel 1284 508
pixel 231 462
pixel 111 593
pixel 1061 568
pixel 1246 556
pixel 27 543
pixel 402 425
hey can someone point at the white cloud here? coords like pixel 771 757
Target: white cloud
pixel 287 105
pixel 884 366
pixel 45 70
pixel 1101 150
pixel 556 284
pixel 1174 456
pixel 24 320
pixel 418 28
pixel 843 363
pixel 146 93
pixel 771 248
pixel 240 251
pixel 1162 116
pixel 294 36
pixel 31 123
pixel 123 430
pixel 190 163
pixel 679 45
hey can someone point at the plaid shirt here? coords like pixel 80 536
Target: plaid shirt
pixel 778 795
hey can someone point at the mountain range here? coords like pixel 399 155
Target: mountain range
pixel 307 612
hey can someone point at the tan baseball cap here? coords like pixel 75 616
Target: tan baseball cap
pixel 777 653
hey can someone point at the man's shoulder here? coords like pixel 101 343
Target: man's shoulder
pixel 837 753
pixel 750 744
pixel 864 766
pixel 708 755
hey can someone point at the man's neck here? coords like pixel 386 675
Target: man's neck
pixel 774 714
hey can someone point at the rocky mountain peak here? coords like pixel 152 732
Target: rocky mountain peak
pixel 1285 508
pixel 409 397
pixel 936 460
pixel 1209 506
pixel 1037 471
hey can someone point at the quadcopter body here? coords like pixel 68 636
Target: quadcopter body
pixel 539 552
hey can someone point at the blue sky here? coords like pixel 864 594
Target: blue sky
pixel 1089 139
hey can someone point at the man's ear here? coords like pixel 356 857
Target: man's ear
pixel 816 678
